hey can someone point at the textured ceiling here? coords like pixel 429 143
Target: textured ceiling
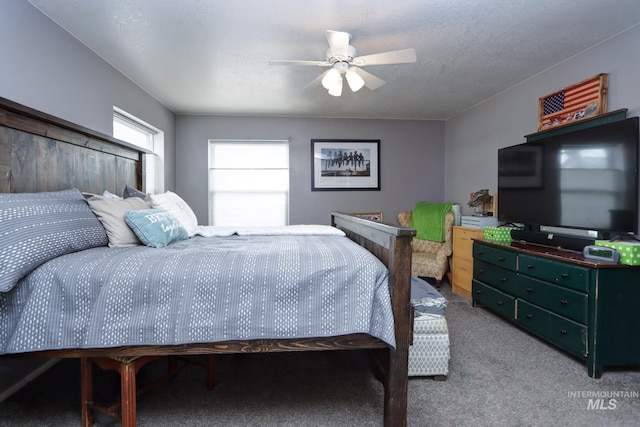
pixel 212 57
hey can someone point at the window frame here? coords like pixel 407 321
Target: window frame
pixel 153 181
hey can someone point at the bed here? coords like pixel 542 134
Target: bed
pixel 43 154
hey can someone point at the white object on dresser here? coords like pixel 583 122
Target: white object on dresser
pixel 479 221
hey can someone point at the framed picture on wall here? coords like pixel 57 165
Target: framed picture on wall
pixel 345 164
pixel 373 216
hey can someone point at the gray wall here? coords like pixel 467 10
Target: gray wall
pixel 473 137
pixel 411 157
pixel 45 68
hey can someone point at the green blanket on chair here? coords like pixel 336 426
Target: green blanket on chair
pixel 428 220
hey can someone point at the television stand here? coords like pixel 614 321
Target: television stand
pixel 585 307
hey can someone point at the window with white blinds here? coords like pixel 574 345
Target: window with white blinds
pixel 248 183
pixel 133 130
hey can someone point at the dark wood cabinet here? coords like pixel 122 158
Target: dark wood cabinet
pixel 588 308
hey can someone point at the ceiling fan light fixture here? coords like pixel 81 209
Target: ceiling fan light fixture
pixel 342 59
pixel 354 80
pixel 331 79
pixel 336 89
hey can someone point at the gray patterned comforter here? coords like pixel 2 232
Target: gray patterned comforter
pixel 204 289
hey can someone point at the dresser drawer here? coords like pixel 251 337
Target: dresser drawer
pixel 462 273
pixel 463 242
pixel 497 301
pixel 500 278
pixel 571 276
pixel 564 333
pixel 558 299
pixel 496 256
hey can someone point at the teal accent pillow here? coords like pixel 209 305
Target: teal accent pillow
pixel 155 228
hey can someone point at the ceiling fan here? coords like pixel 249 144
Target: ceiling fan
pixel 342 60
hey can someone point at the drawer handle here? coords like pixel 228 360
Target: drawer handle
pixel 563 301
pixel 501 258
pixel 563 332
pixel 529 316
pixel 503 280
pixel 481 271
pixel 479 292
pixel 530 266
pixel 479 252
pixel 499 303
pixel 564 275
pixel 529 290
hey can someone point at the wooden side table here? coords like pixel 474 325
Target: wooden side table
pixel 463 259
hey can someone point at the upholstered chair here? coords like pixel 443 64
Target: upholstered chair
pixel 430 259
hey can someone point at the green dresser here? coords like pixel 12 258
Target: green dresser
pixel 588 308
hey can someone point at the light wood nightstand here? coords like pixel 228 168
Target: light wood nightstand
pixel 463 259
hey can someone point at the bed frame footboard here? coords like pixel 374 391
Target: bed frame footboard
pixel 392 246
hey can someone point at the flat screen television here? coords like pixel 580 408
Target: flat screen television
pixel 585 179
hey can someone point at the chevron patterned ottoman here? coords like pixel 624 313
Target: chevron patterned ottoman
pixel 429 353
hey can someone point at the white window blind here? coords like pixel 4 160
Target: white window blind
pixel 248 183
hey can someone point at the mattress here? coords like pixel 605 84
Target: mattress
pixel 199 290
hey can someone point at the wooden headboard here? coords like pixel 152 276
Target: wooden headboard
pixel 39 152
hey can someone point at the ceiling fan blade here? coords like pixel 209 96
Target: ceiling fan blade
pixel 296 62
pixel 404 56
pixel 370 81
pixel 316 82
pixel 339 43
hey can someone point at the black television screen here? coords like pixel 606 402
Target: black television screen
pixel 585 179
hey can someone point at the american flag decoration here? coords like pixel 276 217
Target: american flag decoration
pixel 581 101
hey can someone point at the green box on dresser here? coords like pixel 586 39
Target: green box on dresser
pixel 588 308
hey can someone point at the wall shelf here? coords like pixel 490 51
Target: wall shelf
pixel 602 119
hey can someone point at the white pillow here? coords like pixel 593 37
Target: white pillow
pixel 174 204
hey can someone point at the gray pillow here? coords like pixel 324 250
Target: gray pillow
pixel 37 227
pixel 129 191
pixel 110 212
